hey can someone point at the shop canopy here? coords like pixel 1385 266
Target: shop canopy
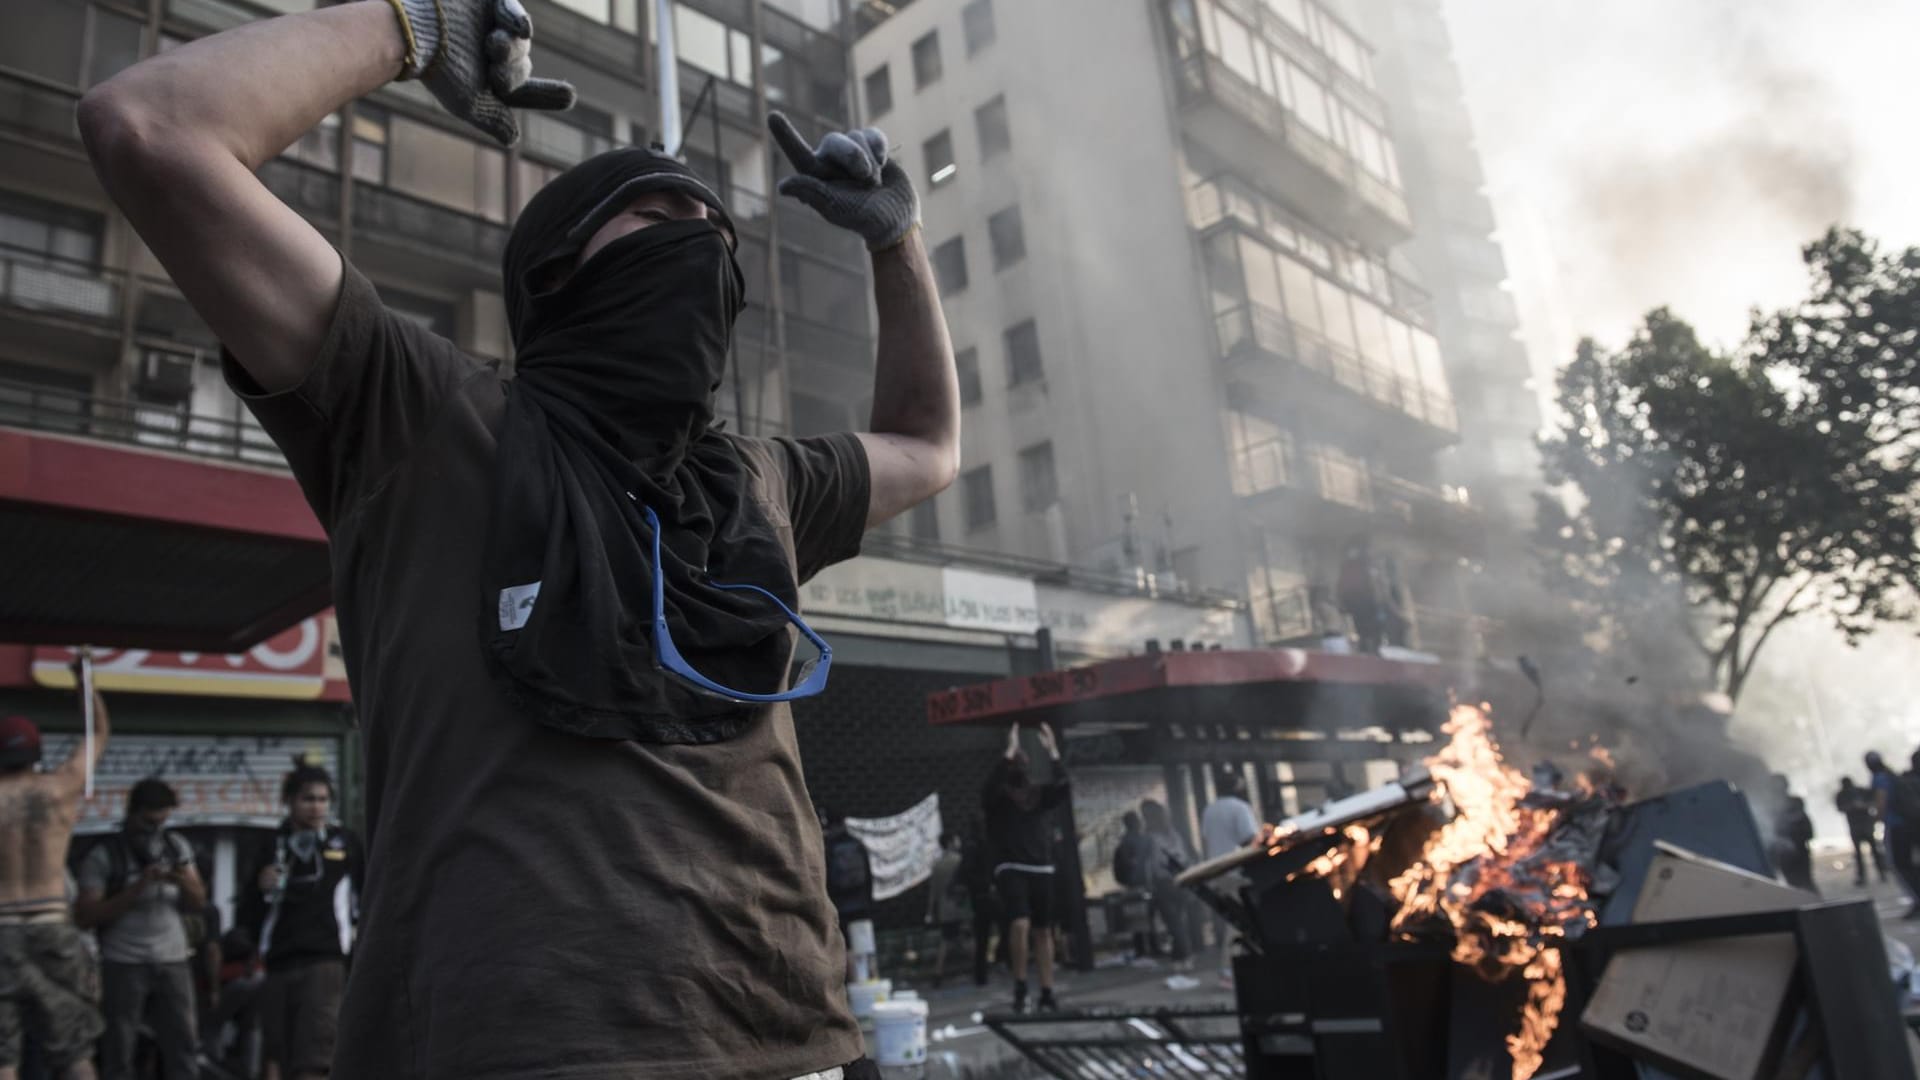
pixel 1265 688
pixel 116 544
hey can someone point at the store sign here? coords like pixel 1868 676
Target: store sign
pixel 221 779
pixel 293 664
pixel 886 590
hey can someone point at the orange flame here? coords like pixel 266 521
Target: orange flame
pixel 1494 843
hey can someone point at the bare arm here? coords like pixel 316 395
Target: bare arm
pixel 193 891
pixel 176 138
pixel 913 449
pixel 91 908
pixel 73 771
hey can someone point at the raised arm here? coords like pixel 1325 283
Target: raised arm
pixel 913 449
pixel 73 771
pixel 176 139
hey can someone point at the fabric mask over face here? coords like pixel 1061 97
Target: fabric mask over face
pixel 612 409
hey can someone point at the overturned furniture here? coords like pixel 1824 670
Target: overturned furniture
pixel 1458 924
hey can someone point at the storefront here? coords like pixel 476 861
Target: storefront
pixel 222 730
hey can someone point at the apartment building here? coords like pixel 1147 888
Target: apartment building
pixel 1172 239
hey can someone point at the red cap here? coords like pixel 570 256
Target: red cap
pixel 19 740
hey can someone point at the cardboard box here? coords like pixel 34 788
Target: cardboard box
pixel 1706 1007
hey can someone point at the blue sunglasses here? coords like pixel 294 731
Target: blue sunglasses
pixel 668 654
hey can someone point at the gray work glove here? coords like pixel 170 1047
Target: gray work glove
pixel 473 56
pixel 849 180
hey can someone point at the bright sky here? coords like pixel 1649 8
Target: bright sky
pixel 1679 152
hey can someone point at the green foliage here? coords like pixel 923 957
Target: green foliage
pixel 1717 496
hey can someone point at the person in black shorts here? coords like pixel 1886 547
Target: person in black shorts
pixel 1019 831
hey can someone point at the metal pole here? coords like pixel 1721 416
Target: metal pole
pixel 669 67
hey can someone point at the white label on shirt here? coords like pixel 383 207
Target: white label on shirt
pixel 516 605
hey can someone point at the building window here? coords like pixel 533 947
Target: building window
pixel 1039 487
pixel 369 144
pixel 990 121
pixel 924 523
pixel 950 266
pixel 977 486
pixel 879 92
pixel 705 42
pixel 566 138
pixel 1009 241
pixel 977 20
pixel 1023 354
pixel 926 60
pixel 939 154
pixel 47 232
pixel 967 364
pixel 440 167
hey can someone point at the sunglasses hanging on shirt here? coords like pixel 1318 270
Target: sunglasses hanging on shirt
pixel 813 673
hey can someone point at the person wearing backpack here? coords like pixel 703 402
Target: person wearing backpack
pixel 1899 807
pixel 135 887
pixel 849 874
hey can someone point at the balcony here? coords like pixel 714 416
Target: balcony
pixel 1266 350
pixel 60 307
pixel 135 423
pixel 1321 492
pixel 1240 124
pixel 408 236
pixel 1228 202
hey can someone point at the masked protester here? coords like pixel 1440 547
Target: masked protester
pixel 1019 812
pixel 565 597
pixel 46 982
pixel 136 886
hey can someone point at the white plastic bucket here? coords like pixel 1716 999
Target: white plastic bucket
pixel 862 997
pixel 900 1033
pixel 860 936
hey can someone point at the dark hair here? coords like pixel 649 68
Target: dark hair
pixel 152 793
pixel 297 781
pixel 1130 821
pixel 1231 781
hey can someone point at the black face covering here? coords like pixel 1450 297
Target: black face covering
pixel 612 410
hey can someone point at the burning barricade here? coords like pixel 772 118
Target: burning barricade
pixel 1433 927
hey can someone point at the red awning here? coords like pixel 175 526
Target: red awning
pixel 118 545
pixel 1281 685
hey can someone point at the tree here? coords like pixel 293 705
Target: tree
pixel 1711 498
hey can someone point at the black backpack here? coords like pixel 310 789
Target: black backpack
pixel 1130 861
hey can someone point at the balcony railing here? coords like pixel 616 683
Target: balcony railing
pixel 381 212
pixel 1269 332
pixel 135 423
pixel 47 284
pixel 1205 77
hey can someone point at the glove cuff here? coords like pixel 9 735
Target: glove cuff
pixel 912 227
pixel 423 27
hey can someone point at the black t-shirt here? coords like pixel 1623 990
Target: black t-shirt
pixel 1020 825
pixel 536 904
pixel 314 914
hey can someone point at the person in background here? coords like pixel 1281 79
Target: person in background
pixel 976 876
pixel 1899 835
pixel 1019 816
pixel 46 977
pixel 1792 843
pixel 849 875
pixel 1228 824
pixel 946 901
pixel 1358 591
pixel 1131 854
pixel 302 912
pixel 135 887
pixel 1857 805
pixel 1168 853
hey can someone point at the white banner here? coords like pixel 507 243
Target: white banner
pixel 902 848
